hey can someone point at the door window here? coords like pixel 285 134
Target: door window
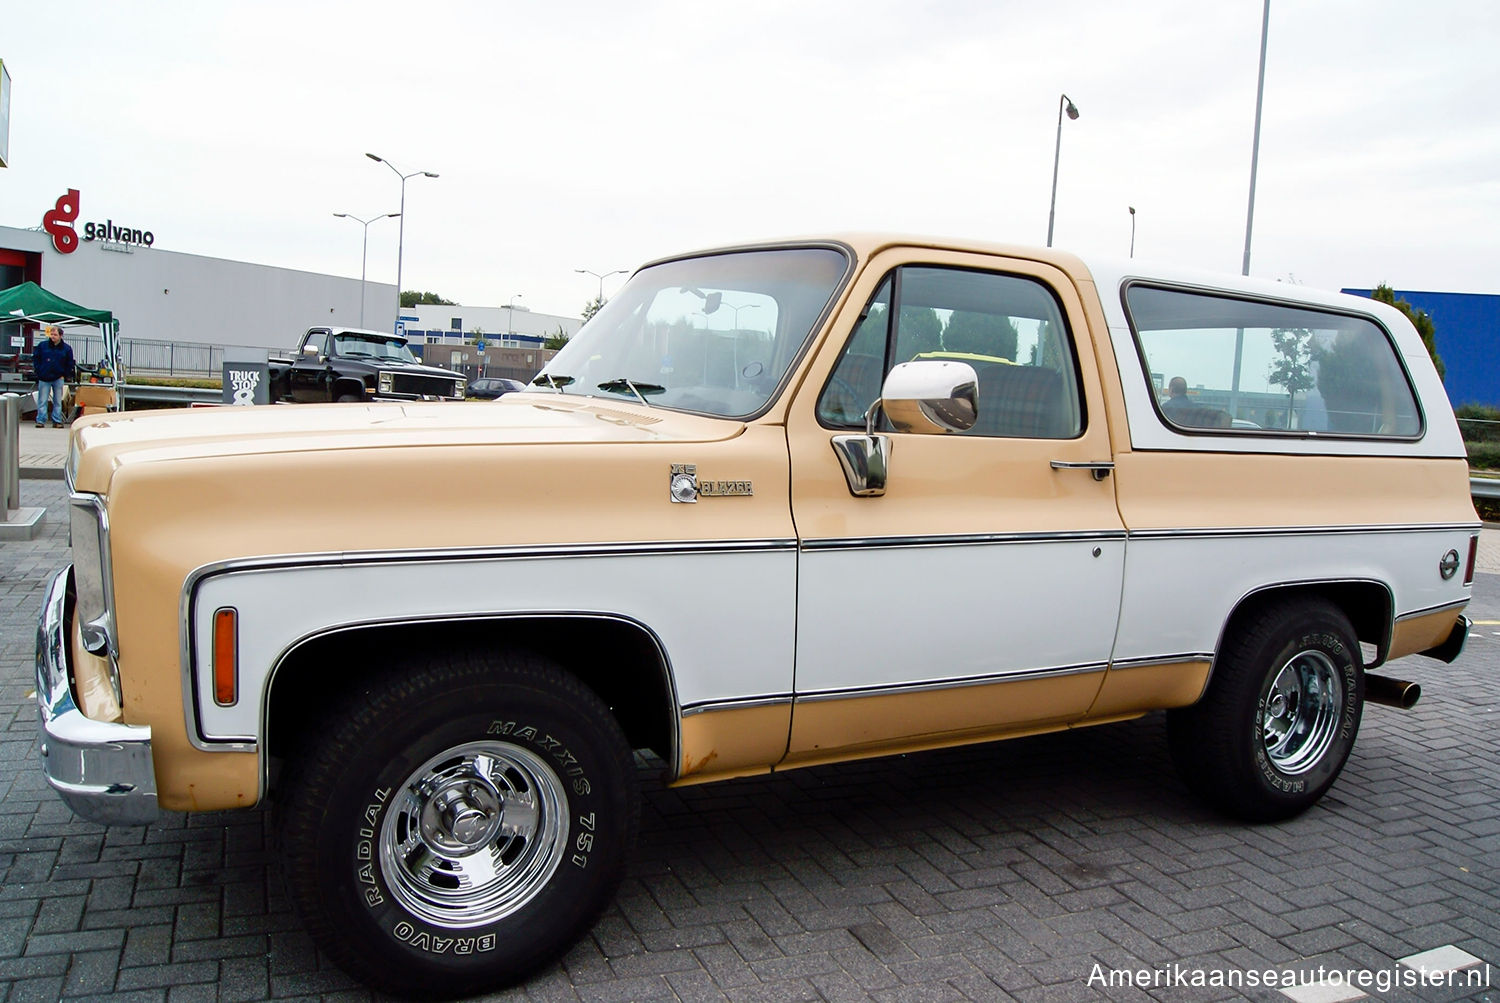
pixel 1008 327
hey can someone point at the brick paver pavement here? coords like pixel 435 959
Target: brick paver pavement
pixel 1006 871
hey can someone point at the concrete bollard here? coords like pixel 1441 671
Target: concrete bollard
pixel 10 452
pixel 19 523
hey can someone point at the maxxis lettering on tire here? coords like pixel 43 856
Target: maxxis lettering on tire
pixel 434 846
pixel 1281 715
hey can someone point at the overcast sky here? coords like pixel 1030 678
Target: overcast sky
pixel 601 135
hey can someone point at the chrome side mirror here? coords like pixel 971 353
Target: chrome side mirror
pixel 931 397
pixel 864 458
pixel 928 396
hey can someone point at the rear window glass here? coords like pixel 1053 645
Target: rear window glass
pixel 1222 364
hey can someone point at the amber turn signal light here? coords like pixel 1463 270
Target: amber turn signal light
pixel 226 656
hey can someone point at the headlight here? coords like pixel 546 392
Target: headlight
pixel 458 390
pixel 89 527
pixel 386 382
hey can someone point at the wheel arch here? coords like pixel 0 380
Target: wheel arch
pixel 620 659
pixel 351 385
pixel 1368 603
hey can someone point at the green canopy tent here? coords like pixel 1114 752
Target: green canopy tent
pixel 30 303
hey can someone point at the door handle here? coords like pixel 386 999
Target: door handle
pixel 1099 468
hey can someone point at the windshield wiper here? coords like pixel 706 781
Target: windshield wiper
pixel 555 382
pixel 639 389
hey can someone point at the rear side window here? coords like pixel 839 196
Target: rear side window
pixel 1218 363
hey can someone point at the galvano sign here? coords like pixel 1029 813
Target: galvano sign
pixel 59 220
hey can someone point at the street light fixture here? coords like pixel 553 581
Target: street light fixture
pixel 737 309
pixel 1132 230
pixel 363 249
pixel 401 231
pixel 1065 105
pixel 601 278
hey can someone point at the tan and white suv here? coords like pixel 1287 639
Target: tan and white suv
pixel 774 506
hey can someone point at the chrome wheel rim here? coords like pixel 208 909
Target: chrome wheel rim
pixel 1301 712
pixel 473 834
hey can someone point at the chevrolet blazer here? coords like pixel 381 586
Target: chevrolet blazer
pixel 774 506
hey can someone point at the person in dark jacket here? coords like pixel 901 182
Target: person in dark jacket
pixel 53 360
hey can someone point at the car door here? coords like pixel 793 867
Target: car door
pixel 309 369
pixel 979 594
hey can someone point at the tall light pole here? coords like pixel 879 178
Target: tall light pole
pixel 401 231
pixel 1132 230
pixel 510 327
pixel 601 278
pixel 364 248
pixel 1072 109
pixel 737 309
pixel 1260 90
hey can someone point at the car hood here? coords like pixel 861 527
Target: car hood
pixel 102 444
pixel 397 366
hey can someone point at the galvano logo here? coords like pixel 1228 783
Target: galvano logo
pixel 58 222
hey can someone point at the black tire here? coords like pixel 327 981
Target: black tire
pixel 349 399
pixel 1281 713
pixel 421 898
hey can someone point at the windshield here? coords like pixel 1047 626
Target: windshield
pixel 714 335
pixel 372 345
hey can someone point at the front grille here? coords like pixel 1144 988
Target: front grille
pixel 419 386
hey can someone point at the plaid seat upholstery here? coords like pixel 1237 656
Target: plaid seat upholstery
pixel 1023 402
pixel 1198 417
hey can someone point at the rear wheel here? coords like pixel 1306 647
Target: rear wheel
pixel 1281 714
pixel 460 825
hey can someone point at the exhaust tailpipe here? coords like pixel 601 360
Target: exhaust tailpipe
pixel 1399 693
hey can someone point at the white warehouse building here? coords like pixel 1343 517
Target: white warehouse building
pixel 168 297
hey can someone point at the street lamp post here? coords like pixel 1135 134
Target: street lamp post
pixel 1065 105
pixel 737 309
pixel 401 231
pixel 364 248
pixel 1132 230
pixel 601 278
pixel 1260 90
pixel 510 327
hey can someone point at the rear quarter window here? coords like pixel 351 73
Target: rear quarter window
pixel 1225 364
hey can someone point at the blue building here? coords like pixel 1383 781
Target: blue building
pixel 1467 329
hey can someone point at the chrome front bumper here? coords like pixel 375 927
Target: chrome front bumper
pixel 102 771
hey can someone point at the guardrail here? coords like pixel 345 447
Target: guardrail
pixel 170 395
pixel 1484 487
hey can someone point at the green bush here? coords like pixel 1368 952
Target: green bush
pixel 1478 423
pixel 1484 455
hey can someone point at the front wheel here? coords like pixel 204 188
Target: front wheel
pixel 460 825
pixel 1279 719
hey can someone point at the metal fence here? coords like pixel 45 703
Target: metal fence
pixel 144 357
pixel 192 360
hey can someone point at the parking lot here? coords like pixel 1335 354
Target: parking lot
pixel 1036 869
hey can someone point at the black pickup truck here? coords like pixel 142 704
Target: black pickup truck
pixel 349 364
